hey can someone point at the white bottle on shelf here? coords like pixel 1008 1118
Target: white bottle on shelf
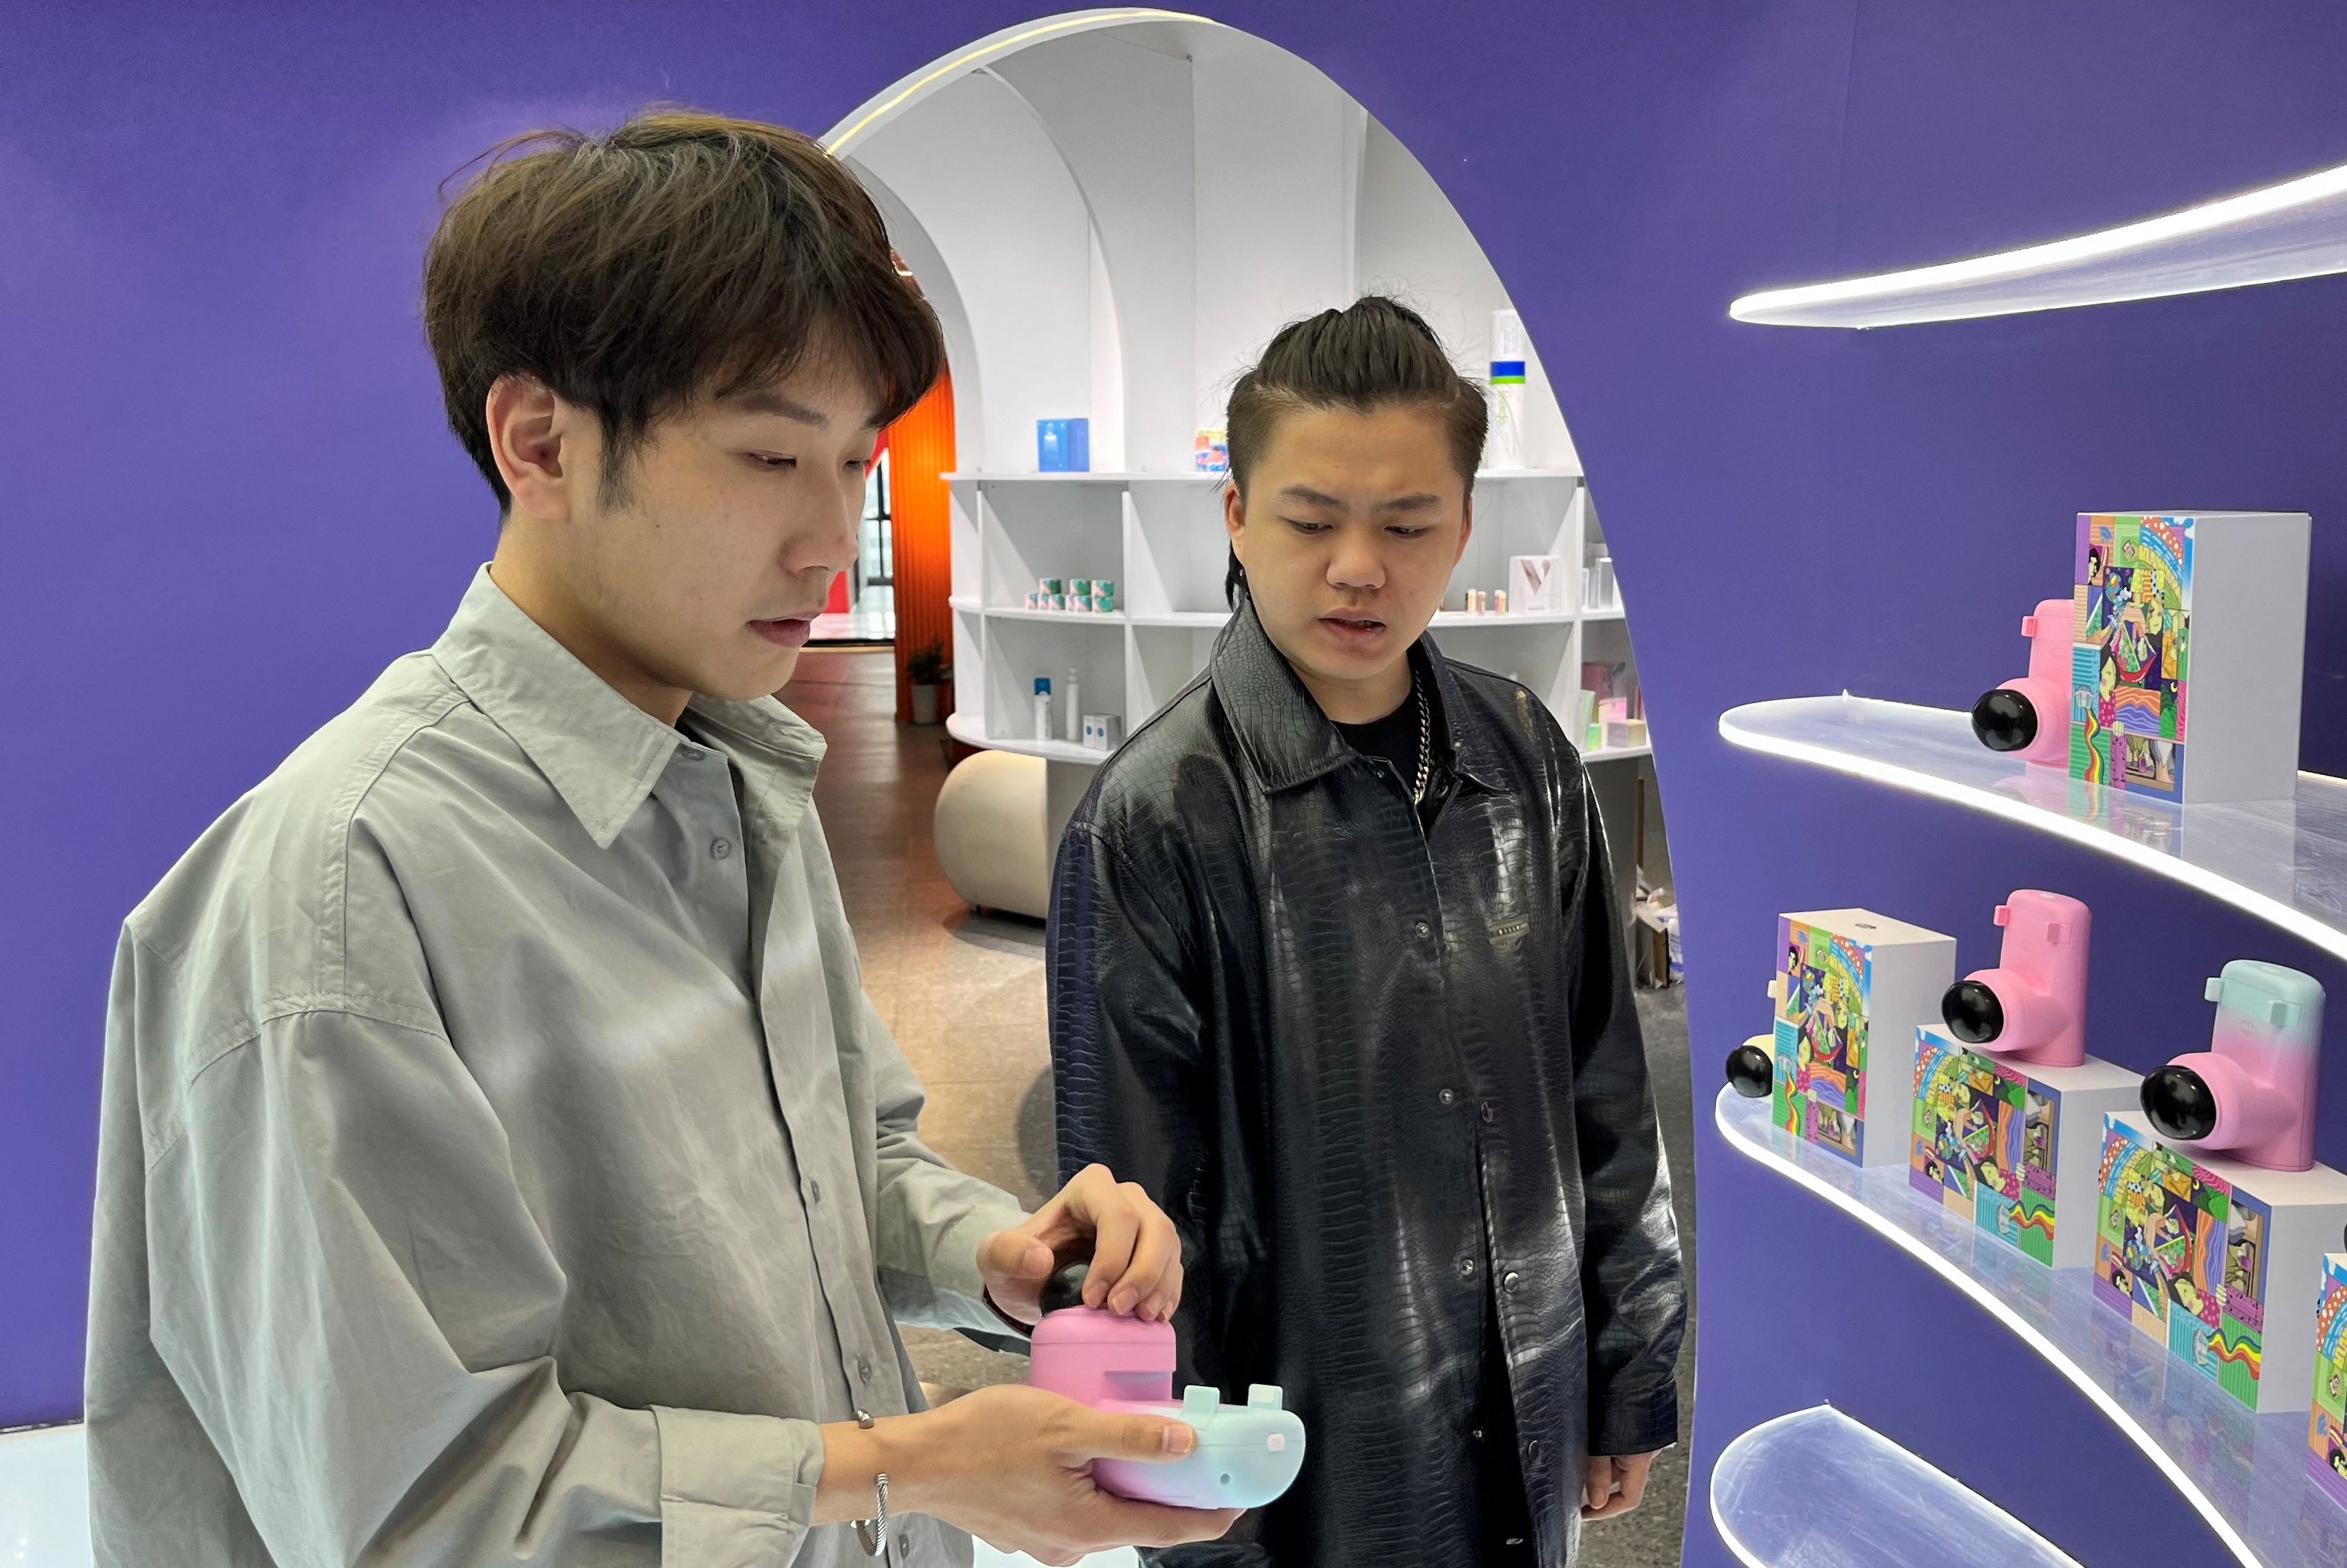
pixel 1075 707
pixel 1042 707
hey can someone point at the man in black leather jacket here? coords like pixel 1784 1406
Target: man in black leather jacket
pixel 1336 974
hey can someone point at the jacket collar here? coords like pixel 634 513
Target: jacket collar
pixel 1289 741
pixel 600 752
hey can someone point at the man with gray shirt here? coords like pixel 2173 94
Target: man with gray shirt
pixel 500 1161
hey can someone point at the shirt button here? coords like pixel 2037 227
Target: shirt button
pixel 1466 1268
pixel 719 848
pixel 1423 929
pixel 1510 1280
pixel 863 1367
pixel 1447 1097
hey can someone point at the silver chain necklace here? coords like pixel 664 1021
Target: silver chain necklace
pixel 1425 741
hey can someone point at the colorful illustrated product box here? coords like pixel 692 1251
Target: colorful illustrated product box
pixel 2010 1148
pixel 1847 980
pixel 2188 645
pixel 2326 1430
pixel 2219 1261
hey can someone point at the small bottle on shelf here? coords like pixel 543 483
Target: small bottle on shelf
pixel 1042 707
pixel 1075 707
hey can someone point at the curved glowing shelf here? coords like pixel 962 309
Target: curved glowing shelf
pixel 45 1497
pixel 2283 861
pixel 2245 1474
pixel 2297 228
pixel 1818 1489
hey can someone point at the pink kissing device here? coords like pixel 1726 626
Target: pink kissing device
pixel 2032 1007
pixel 2250 1095
pixel 1246 1455
pixel 2031 715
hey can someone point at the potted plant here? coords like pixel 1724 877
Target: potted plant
pixel 926 671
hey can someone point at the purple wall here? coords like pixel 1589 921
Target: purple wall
pixel 229 500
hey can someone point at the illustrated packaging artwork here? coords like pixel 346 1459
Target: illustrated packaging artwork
pixel 2183 1253
pixel 2326 1433
pixel 2131 664
pixel 1820 1036
pixel 1986 1142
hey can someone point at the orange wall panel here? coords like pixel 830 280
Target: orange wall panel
pixel 920 455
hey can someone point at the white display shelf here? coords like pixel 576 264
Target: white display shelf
pixel 2294 229
pixel 2246 1475
pixel 45 1497
pixel 967 729
pixel 1818 1489
pixel 1072 617
pixel 1185 620
pixel 1616 754
pixel 1510 618
pixel 1162 477
pixel 2283 861
pixel 1611 612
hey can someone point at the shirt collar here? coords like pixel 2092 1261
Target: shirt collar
pixel 1287 736
pixel 600 752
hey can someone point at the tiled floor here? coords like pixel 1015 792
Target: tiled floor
pixel 965 998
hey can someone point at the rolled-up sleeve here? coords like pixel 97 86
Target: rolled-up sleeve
pixel 346 1288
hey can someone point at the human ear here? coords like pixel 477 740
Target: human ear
pixel 533 436
pixel 1234 518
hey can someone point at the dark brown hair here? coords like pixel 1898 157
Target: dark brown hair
pixel 680 256
pixel 1374 353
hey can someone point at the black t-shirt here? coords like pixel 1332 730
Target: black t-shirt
pixel 1395 738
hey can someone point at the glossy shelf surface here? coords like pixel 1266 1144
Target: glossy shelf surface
pixel 2245 1474
pixel 44 1499
pixel 2297 228
pixel 1818 1489
pixel 2282 861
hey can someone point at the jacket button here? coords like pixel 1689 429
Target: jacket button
pixel 1491 1112
pixel 1466 1268
pixel 1423 929
pixel 1510 1280
pixel 1447 1097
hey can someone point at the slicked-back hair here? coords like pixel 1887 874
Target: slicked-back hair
pixel 679 257
pixel 1374 354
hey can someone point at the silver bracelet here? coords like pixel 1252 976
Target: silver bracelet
pixel 873 1533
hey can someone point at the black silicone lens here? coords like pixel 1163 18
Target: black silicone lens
pixel 1972 1012
pixel 2004 719
pixel 1750 1071
pixel 2180 1103
pixel 1065 1288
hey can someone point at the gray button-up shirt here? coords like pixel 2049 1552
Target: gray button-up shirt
pixel 500 1161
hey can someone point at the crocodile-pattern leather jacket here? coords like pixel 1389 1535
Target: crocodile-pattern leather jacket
pixel 1378 1076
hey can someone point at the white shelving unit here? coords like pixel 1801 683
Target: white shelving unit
pixel 1111 213
pixel 1160 538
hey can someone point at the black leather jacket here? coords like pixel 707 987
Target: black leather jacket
pixel 1374 1074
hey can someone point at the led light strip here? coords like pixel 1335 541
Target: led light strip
pixel 1757 1434
pixel 1785 307
pixel 985 49
pixel 2306 928
pixel 1988 1302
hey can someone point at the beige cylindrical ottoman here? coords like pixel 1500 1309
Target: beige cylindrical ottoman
pixel 990 833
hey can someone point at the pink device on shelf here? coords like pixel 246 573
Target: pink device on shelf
pixel 1247 1454
pixel 2032 1007
pixel 2031 715
pixel 2250 1095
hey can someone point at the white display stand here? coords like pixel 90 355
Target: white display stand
pixel 1111 213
